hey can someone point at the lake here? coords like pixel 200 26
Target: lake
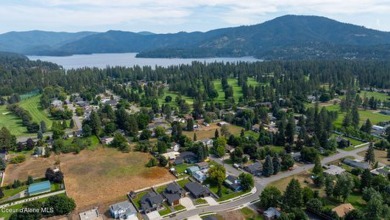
pixel 103 60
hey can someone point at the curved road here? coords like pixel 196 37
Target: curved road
pixel 260 184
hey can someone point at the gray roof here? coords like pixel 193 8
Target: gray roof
pixel 128 208
pixel 149 200
pixel 254 168
pixel 173 192
pixel 196 189
pixel 356 164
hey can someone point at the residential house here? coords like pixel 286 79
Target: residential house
pixel 106 140
pixel 256 128
pixel 384 171
pixel 222 123
pixel 173 193
pixel 207 142
pixel 192 170
pixel 297 156
pixel 233 183
pixel 343 209
pixel 255 169
pixel 188 157
pixel 342 142
pixel 40 151
pixel 200 175
pixel 334 170
pixel 197 190
pixel 56 103
pixel 151 202
pixel 92 214
pixel 175 146
pixel 203 165
pixel 123 210
pixel 78 133
pixel 356 163
pixel 264 104
pixel 171 155
pixel 385 112
pixel 271 213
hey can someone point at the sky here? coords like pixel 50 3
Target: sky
pixel 170 16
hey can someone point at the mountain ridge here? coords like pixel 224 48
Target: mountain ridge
pixel 307 37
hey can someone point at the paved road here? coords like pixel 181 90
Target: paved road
pixel 260 184
pixel 31 199
pixel 76 119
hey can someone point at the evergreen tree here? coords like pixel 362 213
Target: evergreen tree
pixel 366 179
pixel 216 134
pixel 268 168
pixel 355 116
pixel 290 130
pixel 71 124
pixel 317 170
pixel 195 138
pixel 370 154
pixel 329 185
pixel 43 127
pixel 270 197
pixel 276 164
pixel 292 198
pixel 367 126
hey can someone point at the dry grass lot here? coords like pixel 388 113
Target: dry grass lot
pixel 99 177
pixel 380 156
pixel 301 177
pixel 35 167
pixel 204 132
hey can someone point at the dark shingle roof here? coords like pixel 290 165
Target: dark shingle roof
pixel 150 199
pixel 196 189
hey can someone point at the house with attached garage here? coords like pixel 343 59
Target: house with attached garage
pixel 173 193
pixel 197 190
pixel 123 210
pixel 232 183
pixel 151 201
pixel 255 169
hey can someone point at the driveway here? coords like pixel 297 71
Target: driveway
pixel 154 215
pixel 210 200
pixel 187 202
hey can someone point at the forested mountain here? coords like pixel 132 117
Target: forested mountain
pixel 37 42
pixel 286 37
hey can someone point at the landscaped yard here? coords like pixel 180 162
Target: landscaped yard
pixel 183 182
pixel 226 193
pixel 179 207
pixel 138 197
pixel 200 201
pixel 165 211
pixel 11 192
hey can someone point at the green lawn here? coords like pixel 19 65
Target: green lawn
pixel 376 95
pixel 11 192
pixel 38 114
pixel 182 167
pixel 7 215
pixel 165 211
pixel 161 100
pixel 226 193
pixel 11 122
pixel 179 207
pixel 200 201
pixel 375 117
pixel 183 182
pixel 138 197
pixel 161 189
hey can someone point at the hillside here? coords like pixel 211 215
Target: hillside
pixel 286 37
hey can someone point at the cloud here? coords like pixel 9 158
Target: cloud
pixel 170 15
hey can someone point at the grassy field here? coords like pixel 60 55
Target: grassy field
pixel 303 178
pixel 11 122
pixel 374 116
pixel 37 113
pixel 376 95
pixel 161 100
pixel 237 90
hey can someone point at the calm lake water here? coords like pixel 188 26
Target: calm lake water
pixel 128 60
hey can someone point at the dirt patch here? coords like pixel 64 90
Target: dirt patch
pixel 303 178
pixel 204 132
pixel 233 215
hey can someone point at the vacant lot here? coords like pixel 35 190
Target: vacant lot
pixel 35 167
pixel 303 178
pixel 106 175
pixel 209 132
pixel 95 178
